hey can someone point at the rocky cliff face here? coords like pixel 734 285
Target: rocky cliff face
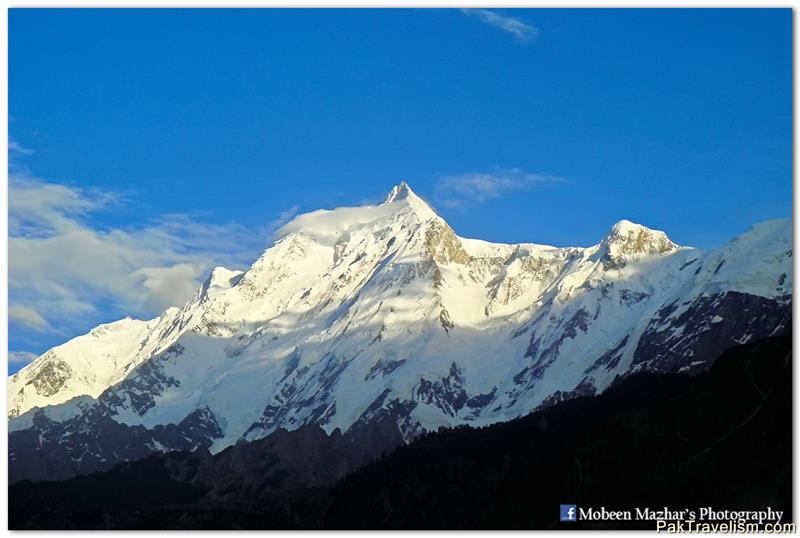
pixel 383 314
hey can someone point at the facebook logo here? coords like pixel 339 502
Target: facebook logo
pixel 569 512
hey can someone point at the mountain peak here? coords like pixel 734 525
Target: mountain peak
pixel 624 225
pixel 221 278
pixel 625 228
pixel 629 240
pixel 401 191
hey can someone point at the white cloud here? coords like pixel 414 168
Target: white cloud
pixel 521 30
pixel 28 317
pixel 169 286
pixel 477 188
pixel 36 208
pixel 21 357
pixel 327 225
pixel 282 219
pixel 66 270
pixel 14 147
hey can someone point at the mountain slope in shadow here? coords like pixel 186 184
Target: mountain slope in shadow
pixel 721 439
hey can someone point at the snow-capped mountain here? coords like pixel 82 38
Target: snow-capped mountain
pixel 383 314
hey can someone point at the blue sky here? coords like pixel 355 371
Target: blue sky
pixel 148 145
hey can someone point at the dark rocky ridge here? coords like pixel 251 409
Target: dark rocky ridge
pixel 53 450
pixel 743 318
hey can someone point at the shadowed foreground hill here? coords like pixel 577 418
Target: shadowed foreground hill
pixel 721 439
